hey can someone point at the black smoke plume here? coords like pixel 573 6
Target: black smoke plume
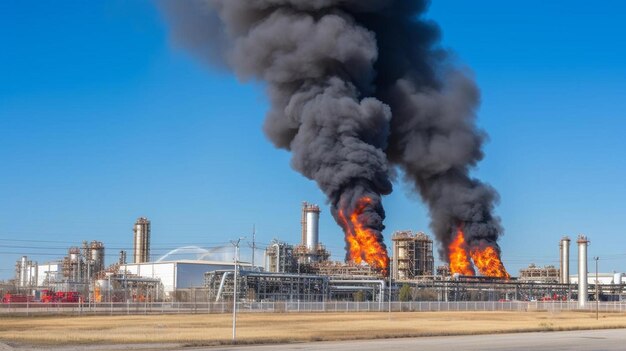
pixel 356 87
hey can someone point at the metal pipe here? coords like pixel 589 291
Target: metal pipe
pixel 381 283
pixel 582 271
pixel 219 291
pixel 235 293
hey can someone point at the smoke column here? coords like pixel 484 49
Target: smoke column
pixel 357 88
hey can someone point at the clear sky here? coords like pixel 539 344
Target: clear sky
pixel 103 120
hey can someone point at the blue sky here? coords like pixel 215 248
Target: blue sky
pixel 103 120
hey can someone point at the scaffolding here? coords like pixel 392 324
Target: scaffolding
pixel 547 274
pixel 443 271
pixel 305 256
pixel 280 258
pixel 343 269
pixel 141 240
pixel 412 255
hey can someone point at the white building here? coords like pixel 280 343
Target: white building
pixel 181 274
pixel 603 278
pixel 49 273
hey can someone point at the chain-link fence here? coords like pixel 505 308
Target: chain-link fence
pixel 132 308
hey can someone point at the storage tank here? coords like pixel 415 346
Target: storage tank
pixel 582 270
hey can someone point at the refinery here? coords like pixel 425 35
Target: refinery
pixel 304 273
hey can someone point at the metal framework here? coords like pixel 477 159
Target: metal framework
pixel 547 274
pixel 280 258
pixel 141 249
pixel 345 270
pixel 412 255
pixel 259 286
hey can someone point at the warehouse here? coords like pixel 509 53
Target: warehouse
pixel 179 274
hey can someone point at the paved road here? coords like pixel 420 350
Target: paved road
pixel 596 340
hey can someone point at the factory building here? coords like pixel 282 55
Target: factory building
pixel 547 274
pixel 412 255
pixel 603 278
pixel 279 258
pixel 26 272
pixel 82 264
pixel 141 240
pixel 49 273
pixel 181 274
pixel 262 286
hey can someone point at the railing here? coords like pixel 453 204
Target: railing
pixel 139 308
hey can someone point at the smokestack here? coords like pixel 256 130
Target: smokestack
pixel 582 270
pixel 358 88
pixel 564 259
pixel 141 251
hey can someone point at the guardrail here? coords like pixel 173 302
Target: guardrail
pixel 139 308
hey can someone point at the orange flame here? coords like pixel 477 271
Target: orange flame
pixel 488 262
pixel 363 242
pixel 458 256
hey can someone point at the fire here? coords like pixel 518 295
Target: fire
pixel 487 260
pixel 458 256
pixel 362 241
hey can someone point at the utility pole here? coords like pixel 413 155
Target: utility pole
pixel 253 244
pixel 389 291
pixel 236 245
pixel 597 290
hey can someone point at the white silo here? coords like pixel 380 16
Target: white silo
pixel 310 228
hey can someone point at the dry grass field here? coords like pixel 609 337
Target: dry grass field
pixel 216 329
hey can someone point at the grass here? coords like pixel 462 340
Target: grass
pixel 216 329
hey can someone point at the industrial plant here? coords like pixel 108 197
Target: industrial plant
pixel 300 272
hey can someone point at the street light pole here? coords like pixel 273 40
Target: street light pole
pixel 236 245
pixel 597 290
pixel 389 292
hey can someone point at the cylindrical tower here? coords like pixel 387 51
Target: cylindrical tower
pixel 34 274
pixel 564 245
pixel 310 226
pixel 23 271
pixel 96 252
pixel 582 270
pixel 141 252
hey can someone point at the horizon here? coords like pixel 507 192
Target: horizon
pixel 104 120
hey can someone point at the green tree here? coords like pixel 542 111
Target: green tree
pixel 405 293
pixel 358 296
